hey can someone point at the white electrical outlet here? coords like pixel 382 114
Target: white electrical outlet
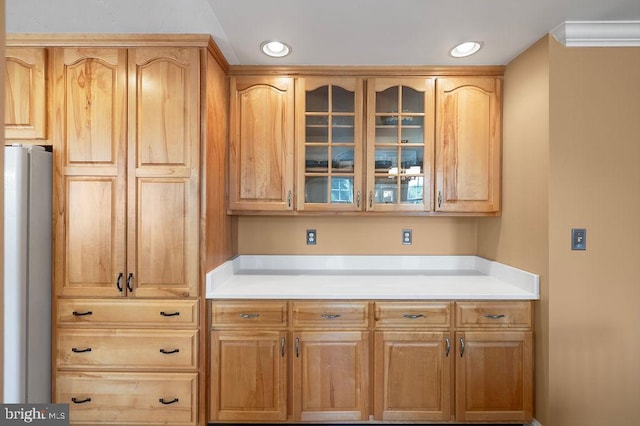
pixel 407 237
pixel 312 237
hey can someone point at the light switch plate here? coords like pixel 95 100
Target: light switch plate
pixel 578 239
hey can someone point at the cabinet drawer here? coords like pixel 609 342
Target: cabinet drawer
pixel 499 314
pixel 123 312
pixel 129 398
pixel 410 314
pixel 127 349
pixel 331 314
pixel 249 313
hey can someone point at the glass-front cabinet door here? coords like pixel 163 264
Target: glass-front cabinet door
pixel 329 141
pixel 400 126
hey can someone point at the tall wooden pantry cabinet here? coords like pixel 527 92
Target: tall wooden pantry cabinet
pixel 130 128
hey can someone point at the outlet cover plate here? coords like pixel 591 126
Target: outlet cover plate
pixel 407 237
pixel 312 237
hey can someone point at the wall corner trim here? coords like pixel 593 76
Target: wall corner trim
pixel 598 33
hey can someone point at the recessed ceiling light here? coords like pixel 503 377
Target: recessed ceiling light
pixel 465 49
pixel 275 49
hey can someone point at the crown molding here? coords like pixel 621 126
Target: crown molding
pixel 598 33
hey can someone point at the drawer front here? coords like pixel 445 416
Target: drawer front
pixel 129 398
pixel 498 314
pixel 127 349
pixel 331 314
pixel 123 312
pixel 249 314
pixel 413 315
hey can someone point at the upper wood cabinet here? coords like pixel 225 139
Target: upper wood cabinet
pixel 404 145
pixel 468 144
pixel 261 142
pixel 25 93
pixel 127 201
pixel 400 120
pixel 329 143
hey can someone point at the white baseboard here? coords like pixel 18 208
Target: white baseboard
pixel 535 423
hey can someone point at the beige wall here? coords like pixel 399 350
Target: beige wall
pixel 520 237
pixel 594 295
pixel 571 152
pixel 357 235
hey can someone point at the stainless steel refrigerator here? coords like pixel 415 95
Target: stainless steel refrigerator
pixel 27 274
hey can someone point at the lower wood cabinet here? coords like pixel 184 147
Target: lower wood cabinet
pixel 248 375
pixel 128 398
pixel 370 361
pixel 127 361
pixel 413 376
pixel 331 376
pixel 494 376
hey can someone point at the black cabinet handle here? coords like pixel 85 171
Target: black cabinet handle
pixel 129 278
pixel 173 351
pixel 79 351
pixel 81 314
pixel 80 401
pixel 413 316
pixel 169 314
pixel 118 280
pixel 173 401
pixel 494 316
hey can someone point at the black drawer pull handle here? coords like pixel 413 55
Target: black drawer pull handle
pixel 330 316
pixel 249 316
pixel 173 401
pixel 413 316
pixel 174 351
pixel 80 401
pixel 81 314
pixel 494 316
pixel 79 351
pixel 169 314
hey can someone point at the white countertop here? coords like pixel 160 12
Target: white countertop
pixel 369 277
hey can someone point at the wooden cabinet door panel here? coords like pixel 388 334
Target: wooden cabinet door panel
pixel 94 254
pixel 97 398
pixel 163 172
pixel 494 376
pixel 413 376
pixel 468 144
pixel 25 93
pixel 89 90
pixel 261 144
pixel 248 376
pixel 331 376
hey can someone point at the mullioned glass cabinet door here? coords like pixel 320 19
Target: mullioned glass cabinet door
pixel 400 125
pixel 329 141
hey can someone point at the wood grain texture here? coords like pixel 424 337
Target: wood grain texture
pixel 261 144
pixel 111 394
pixel 25 93
pixel 249 376
pixel 412 376
pixel 331 376
pixel 468 144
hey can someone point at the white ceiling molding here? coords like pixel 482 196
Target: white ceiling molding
pixel 598 33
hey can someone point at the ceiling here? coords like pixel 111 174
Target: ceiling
pixel 328 32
